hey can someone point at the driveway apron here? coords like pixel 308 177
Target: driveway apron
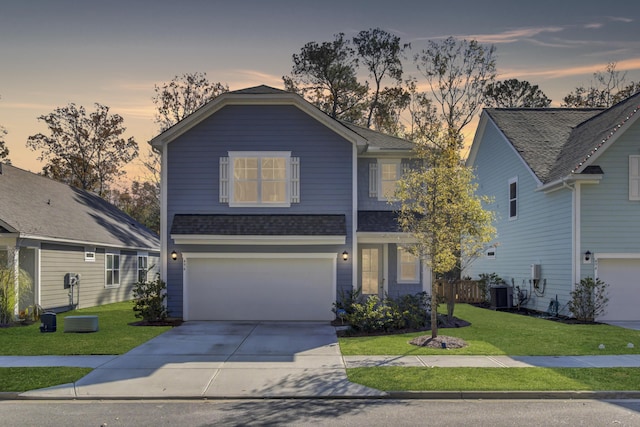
pixel 224 360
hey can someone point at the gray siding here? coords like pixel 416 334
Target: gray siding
pixel 609 220
pixel 542 232
pixel 193 174
pixel 57 260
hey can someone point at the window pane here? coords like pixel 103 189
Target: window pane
pixel 116 277
pixel 274 191
pixel 408 272
pixel 245 191
pixel 512 190
pixel 245 168
pixel 388 188
pixel 512 208
pixel 116 262
pixel 274 168
pixel 389 172
pixel 109 261
pixel 109 277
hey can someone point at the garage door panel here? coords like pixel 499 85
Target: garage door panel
pixel 623 277
pixel 260 289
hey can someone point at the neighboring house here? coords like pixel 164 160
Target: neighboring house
pixel 566 185
pixel 55 232
pixel 264 197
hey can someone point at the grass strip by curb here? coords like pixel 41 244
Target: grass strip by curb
pixel 25 379
pixel 495 379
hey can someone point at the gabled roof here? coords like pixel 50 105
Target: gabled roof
pixel 40 208
pixel 559 142
pixel 266 95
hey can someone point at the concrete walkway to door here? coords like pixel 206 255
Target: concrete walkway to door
pixel 223 360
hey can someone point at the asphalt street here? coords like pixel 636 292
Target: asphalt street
pixel 322 412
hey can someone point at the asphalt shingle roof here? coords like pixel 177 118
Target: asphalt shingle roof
pixel 34 205
pixel 259 225
pixel 378 221
pixel 556 142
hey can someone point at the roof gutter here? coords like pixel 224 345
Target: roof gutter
pixel 568 180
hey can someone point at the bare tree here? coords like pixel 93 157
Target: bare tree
pixel 606 89
pixel 87 151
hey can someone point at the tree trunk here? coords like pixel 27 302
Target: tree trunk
pixel 434 305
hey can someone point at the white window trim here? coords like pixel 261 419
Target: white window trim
pixel 399 268
pixel 260 155
pixel 106 256
pixel 634 179
pixel 398 164
pixel 513 180
pixel 144 255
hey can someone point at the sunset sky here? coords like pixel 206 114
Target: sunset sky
pixel 54 52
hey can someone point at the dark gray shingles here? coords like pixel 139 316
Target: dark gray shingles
pixel 539 135
pixel 39 206
pixel 590 135
pixel 258 90
pixel 378 139
pixel 378 221
pixel 260 225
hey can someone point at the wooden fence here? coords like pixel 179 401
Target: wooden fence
pixel 464 291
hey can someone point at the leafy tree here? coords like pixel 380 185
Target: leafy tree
pixel 458 73
pixel 439 208
pixel 589 299
pixel 87 151
pixel 182 96
pixel 606 89
pixel 325 74
pixel 140 202
pixel 514 93
pixel 380 52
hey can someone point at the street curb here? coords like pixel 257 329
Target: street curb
pixel 506 395
pixel 9 395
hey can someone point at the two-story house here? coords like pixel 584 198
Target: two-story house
pixel 566 184
pixel 271 210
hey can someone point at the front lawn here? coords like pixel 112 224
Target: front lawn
pixel 24 379
pixel 114 335
pixel 496 379
pixel 501 333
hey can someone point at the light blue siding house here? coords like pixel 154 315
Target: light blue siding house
pixel 271 210
pixel 566 189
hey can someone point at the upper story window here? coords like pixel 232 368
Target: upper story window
pixel 408 267
pixel 112 270
pixel 259 179
pixel 634 177
pixel 383 177
pixel 513 198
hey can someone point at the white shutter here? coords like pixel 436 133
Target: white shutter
pixel 634 177
pixel 406 167
pixel 373 180
pixel 224 180
pixel 295 180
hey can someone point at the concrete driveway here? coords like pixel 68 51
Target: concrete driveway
pixel 224 360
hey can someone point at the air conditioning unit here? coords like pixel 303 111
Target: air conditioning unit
pixel 81 323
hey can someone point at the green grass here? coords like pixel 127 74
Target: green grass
pixel 24 379
pixel 115 335
pixel 501 333
pixel 496 379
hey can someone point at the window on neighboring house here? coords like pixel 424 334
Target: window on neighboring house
pixel 634 177
pixel 513 198
pixel 112 262
pixel 259 179
pixel 143 266
pixel 383 178
pixel 408 267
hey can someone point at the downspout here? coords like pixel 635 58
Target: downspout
pixel 575 228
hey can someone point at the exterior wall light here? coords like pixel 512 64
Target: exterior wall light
pixel 587 256
pixel 174 255
pixel 345 256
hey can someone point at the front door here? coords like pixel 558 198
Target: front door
pixel 371 279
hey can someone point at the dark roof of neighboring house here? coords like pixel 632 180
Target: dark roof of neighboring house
pixel 259 225
pixel 262 89
pixel 39 207
pixel 556 142
pixel 378 221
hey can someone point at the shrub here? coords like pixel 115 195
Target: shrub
pixel 589 299
pixel 149 300
pixel 486 281
pixel 375 315
pixel 10 297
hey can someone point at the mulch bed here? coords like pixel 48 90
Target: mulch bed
pixel 166 322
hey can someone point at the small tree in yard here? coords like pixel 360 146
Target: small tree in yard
pixel 589 299
pixel 149 300
pixel 440 209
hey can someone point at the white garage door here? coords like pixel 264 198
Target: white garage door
pixel 260 287
pixel 623 277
